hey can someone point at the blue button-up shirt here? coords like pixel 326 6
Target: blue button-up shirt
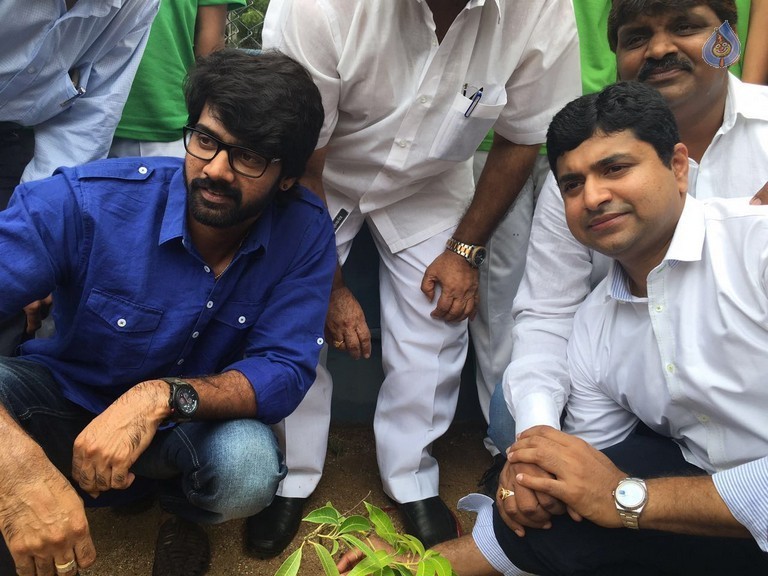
pixel 133 299
pixel 67 73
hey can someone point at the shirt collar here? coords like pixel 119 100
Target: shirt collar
pixel 687 246
pixel 174 223
pixel 747 100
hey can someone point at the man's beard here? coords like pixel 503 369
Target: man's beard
pixel 227 214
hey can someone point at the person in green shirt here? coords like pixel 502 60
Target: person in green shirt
pixel 155 113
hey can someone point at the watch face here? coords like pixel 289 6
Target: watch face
pixel 479 256
pixel 630 494
pixel 186 400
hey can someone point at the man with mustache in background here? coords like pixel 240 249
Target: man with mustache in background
pixel 724 125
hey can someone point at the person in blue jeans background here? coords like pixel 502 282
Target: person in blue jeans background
pixel 190 300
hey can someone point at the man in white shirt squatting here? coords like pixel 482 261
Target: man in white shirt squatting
pixel 664 364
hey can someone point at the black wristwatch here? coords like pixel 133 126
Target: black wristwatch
pixel 183 400
pixel 473 254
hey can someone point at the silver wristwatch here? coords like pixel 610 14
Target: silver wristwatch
pixel 631 496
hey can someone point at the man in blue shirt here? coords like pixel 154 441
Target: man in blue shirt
pixel 190 300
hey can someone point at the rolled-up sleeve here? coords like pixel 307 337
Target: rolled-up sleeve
pixel 284 347
pixel 744 489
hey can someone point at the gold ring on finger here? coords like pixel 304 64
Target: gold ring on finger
pixel 505 493
pixel 338 343
pixel 67 567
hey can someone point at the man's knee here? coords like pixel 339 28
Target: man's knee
pixel 246 469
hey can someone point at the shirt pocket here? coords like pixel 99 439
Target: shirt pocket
pixel 60 95
pixel 124 329
pixel 460 134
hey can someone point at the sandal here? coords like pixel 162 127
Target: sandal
pixel 182 549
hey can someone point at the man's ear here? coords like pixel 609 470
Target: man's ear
pixel 680 167
pixel 287 183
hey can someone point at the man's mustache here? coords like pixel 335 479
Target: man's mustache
pixel 216 186
pixel 669 62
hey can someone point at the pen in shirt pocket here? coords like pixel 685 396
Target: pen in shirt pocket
pixel 475 98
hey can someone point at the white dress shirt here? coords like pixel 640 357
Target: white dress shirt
pixel 560 272
pixel 688 360
pixel 67 73
pixel 398 128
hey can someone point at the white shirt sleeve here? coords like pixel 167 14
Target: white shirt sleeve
pixel 558 276
pixel 547 77
pixel 743 490
pixel 307 31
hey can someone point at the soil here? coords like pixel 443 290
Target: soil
pixel 125 544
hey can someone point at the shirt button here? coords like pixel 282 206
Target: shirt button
pixel 180 362
pixel 206 268
pixel 195 334
pixel 209 304
pixel 671 368
pixel 320 341
pixel 241 320
pixel 31 70
pixel 703 418
pixel 423 99
pixel 659 308
pixel 142 169
pixel 402 143
pixel 122 322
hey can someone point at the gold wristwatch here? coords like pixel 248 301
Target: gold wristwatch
pixel 472 253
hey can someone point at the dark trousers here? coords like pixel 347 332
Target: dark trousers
pixel 584 548
pixel 17 146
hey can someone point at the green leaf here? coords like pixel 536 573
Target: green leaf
pixel 368 565
pixel 355 542
pixel 325 515
pixel 382 524
pixel 334 547
pixel 410 544
pixel 355 524
pixel 325 560
pixel 291 565
pixel 443 567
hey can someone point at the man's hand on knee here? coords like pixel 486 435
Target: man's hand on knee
pixel 525 507
pixel 106 449
pixel 581 476
pixel 44 522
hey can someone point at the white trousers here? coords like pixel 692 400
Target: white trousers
pixel 124 147
pixel 499 278
pixel 422 360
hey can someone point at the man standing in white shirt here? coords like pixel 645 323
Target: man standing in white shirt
pixel 409 89
pixel 724 124
pixel 666 368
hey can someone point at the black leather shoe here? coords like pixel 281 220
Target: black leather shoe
pixel 430 521
pixel 269 532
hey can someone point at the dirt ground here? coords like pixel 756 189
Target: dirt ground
pixel 125 545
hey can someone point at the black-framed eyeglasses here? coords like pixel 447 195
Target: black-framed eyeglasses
pixel 242 160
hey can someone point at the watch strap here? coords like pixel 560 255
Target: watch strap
pixel 174 383
pixel 630 519
pixel 466 251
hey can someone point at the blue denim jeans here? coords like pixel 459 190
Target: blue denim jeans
pixel 207 471
pixel 501 425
